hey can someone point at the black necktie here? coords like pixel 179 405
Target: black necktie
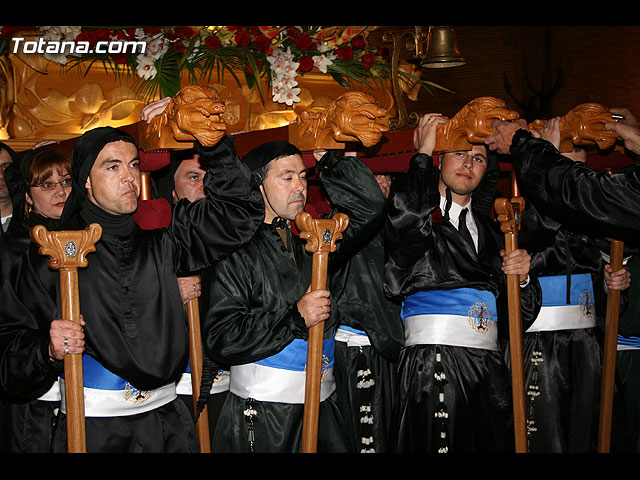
pixel 462 227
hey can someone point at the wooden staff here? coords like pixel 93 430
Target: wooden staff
pixel 509 215
pixel 68 250
pixel 609 359
pixel 321 235
pixel 195 346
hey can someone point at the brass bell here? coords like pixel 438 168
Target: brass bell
pixel 442 49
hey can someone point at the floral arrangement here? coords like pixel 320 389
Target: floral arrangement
pixel 277 54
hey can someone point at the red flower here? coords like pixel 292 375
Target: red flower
pixel 262 42
pixel 242 38
pixel 344 53
pixel 8 31
pixel 126 34
pixel 304 41
pixel 254 30
pixel 306 64
pixel 151 31
pixel 184 32
pixel 368 60
pixel 358 42
pixel 383 52
pixel 212 42
pixel 293 32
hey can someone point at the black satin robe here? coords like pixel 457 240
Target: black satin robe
pixel 566 410
pixel 136 323
pixel 607 204
pixel 425 252
pixel 362 305
pixel 253 311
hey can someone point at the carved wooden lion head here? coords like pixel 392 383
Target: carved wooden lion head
pixel 472 124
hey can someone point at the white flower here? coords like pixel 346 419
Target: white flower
pixel 146 67
pixel 321 62
pixel 284 70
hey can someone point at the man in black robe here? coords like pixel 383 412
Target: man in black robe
pixel 182 179
pixel 368 342
pixel 578 195
pixel 562 353
pixel 454 392
pixel 261 306
pixel 135 340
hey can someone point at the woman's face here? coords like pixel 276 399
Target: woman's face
pixel 48 198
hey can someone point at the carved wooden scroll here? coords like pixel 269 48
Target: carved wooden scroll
pixel 194 113
pixel 67 250
pixel 583 126
pixel 321 236
pixel 509 215
pixel 353 117
pixel 472 124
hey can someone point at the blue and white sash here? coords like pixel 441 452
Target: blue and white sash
pixel 107 395
pixel 556 313
pixel 352 336
pixel 628 343
pixel 463 317
pixel 220 382
pixel 281 377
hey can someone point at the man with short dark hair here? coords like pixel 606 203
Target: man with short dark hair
pixel 447 265
pixel 134 336
pixel 262 307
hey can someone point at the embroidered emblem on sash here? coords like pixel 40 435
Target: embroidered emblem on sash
pixel 220 375
pixel 480 317
pixel 324 369
pixel 133 395
pixel 586 303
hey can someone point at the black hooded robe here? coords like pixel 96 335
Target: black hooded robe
pixel 136 326
pixel 450 398
pixel 563 361
pixel 368 342
pixel 29 425
pixel 253 317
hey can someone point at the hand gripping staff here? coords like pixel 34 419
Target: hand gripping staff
pixel 195 345
pixel 68 250
pixel 321 235
pixel 509 215
pixel 609 359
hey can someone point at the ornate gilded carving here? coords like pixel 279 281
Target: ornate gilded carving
pixel 37 104
pixel 354 116
pixel 194 113
pixel 472 124
pixel 583 126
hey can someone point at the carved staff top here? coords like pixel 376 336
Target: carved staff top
pixel 67 249
pixel 321 234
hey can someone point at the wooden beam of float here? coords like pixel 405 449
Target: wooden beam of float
pixel 321 236
pixel 67 250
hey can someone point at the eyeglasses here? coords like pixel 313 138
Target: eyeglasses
pixel 48 186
